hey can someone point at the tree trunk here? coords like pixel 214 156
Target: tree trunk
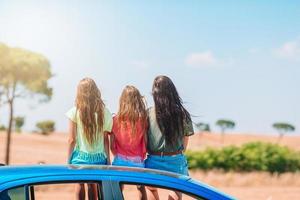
pixel 222 136
pixel 9 129
pixel 280 137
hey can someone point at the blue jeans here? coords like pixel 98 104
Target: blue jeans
pixel 177 163
pixel 84 158
pixel 129 161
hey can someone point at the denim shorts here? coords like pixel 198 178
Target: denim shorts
pixel 84 158
pixel 176 163
pixel 129 161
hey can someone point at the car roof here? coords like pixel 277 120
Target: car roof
pixel 10 173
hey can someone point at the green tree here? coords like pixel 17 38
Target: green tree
pixel 225 124
pixel 46 127
pixel 22 73
pixel 2 127
pixel 283 128
pixel 202 126
pixel 18 123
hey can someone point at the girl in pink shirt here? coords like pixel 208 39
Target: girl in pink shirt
pixel 129 130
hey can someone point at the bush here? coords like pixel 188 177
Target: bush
pixel 18 123
pixel 255 156
pixel 46 127
pixel 2 128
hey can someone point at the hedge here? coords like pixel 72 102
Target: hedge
pixel 46 127
pixel 254 156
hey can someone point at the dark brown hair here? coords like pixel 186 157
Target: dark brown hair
pixel 169 111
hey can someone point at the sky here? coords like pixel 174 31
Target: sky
pixel 237 60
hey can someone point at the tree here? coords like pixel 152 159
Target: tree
pixel 46 127
pixel 224 124
pixel 282 129
pixel 22 73
pixel 18 123
pixel 203 127
pixel 2 127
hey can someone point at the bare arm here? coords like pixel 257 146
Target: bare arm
pixel 106 146
pixel 185 143
pixel 72 138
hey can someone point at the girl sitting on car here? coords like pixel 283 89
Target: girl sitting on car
pixel 129 130
pixel 90 121
pixel 170 125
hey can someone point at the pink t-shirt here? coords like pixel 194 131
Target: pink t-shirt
pixel 128 143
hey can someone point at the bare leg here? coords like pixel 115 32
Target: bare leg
pixel 175 196
pixel 80 192
pixel 92 191
pixel 153 194
pixel 142 192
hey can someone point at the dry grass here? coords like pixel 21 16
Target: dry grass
pixel 202 140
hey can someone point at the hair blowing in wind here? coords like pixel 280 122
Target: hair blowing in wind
pixel 169 111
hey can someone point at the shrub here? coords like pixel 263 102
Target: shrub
pixel 46 127
pixel 18 123
pixel 255 156
pixel 2 128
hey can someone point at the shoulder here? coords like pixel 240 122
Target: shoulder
pixel 151 111
pixel 188 127
pixel 115 119
pixel 107 112
pixel 71 113
pixel 73 109
pixel 108 120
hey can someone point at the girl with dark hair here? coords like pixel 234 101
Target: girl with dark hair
pixel 170 125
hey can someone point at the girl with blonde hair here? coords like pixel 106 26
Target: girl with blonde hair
pixel 129 129
pixel 89 123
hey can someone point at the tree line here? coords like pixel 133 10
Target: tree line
pixel 225 124
pixel 44 127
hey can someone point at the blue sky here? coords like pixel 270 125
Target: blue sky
pixel 229 59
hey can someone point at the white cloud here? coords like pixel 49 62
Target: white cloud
pixel 289 50
pixel 201 59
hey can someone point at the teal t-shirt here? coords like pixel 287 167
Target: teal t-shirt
pixel 156 139
pixel 81 142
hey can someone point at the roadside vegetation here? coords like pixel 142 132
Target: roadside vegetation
pixel 254 156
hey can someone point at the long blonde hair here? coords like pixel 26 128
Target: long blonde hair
pixel 132 108
pixel 89 103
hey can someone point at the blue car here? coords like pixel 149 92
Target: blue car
pixel 57 182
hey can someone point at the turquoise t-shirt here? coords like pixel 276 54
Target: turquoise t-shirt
pixel 81 142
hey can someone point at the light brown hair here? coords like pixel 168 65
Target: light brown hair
pixel 91 109
pixel 132 108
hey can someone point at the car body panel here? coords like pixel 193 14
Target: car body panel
pixel 15 176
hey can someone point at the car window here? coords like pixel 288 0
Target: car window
pixel 66 191
pixel 49 191
pixel 13 194
pixel 132 191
